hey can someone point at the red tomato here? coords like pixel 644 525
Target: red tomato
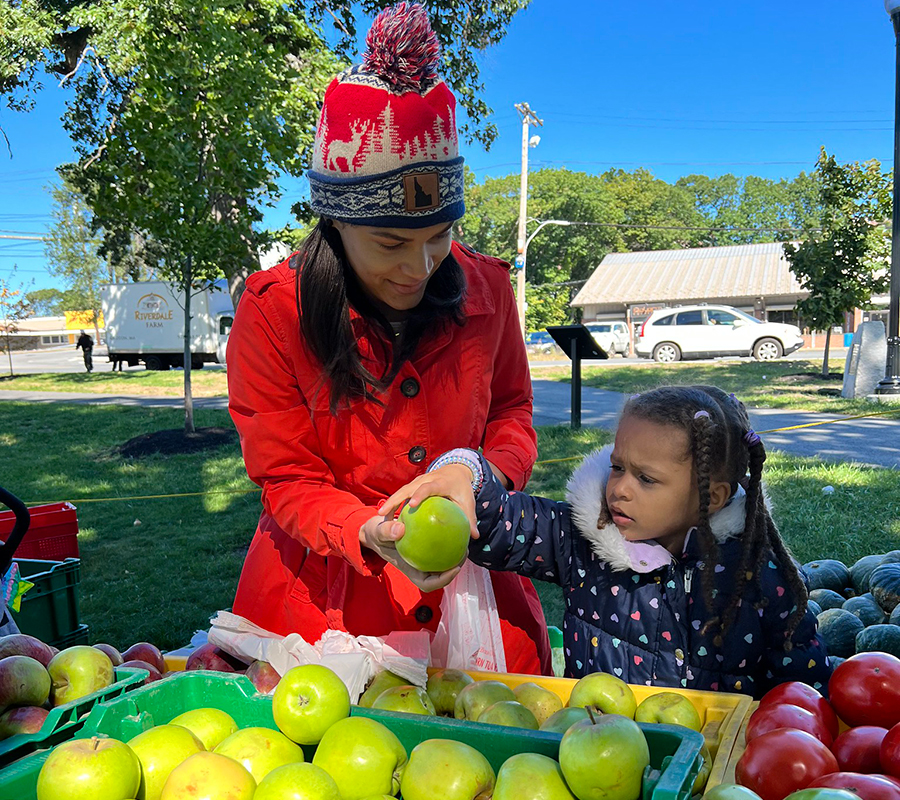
pixel 868 787
pixel 783 761
pixel 890 752
pixel 859 749
pixel 770 717
pixel 865 690
pixel 801 694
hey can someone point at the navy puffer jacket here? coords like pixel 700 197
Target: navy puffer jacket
pixel 644 623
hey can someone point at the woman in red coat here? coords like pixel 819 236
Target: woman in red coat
pixel 377 347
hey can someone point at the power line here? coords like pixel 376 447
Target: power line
pixel 775 228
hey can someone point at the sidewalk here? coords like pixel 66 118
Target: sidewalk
pixel 874 441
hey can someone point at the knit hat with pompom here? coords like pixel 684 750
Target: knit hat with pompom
pixel 386 150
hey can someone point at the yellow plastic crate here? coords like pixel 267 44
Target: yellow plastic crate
pixel 723 714
pixel 740 743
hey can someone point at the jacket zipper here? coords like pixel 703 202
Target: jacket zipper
pixel 688 580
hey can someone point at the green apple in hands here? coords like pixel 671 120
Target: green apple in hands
pixel 363 757
pixel 436 535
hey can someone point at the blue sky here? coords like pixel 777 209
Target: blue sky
pixel 697 86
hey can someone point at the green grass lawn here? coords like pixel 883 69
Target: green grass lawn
pixel 790 384
pixel 155 569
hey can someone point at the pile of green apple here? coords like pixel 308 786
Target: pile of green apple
pixel 453 693
pixel 203 754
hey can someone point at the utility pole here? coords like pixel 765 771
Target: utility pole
pixel 528 118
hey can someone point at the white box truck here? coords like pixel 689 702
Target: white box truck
pixel 145 322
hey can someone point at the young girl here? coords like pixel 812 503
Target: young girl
pixel 672 569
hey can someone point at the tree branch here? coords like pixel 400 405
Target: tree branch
pixel 102 147
pixel 81 59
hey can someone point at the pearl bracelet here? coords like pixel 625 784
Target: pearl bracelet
pixel 468 458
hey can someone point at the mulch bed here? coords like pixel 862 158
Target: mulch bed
pixel 173 442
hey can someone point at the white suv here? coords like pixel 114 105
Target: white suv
pixel 705 331
pixel 612 336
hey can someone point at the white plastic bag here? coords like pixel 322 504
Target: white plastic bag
pixel 355 659
pixel 469 636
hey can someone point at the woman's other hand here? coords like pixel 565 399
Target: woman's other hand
pixel 380 534
pixel 453 481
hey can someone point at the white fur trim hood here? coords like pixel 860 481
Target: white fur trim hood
pixel 586 494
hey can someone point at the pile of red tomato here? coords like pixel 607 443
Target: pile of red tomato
pixel 794 743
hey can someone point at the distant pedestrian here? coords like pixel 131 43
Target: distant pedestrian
pixel 86 343
pixel 117 363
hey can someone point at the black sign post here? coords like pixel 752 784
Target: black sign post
pixel 577 343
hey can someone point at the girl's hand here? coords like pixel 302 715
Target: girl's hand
pixel 453 482
pixel 380 535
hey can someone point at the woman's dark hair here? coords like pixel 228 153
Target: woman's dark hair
pixel 326 287
pixel 723 448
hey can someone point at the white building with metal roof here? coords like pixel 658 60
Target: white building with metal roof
pixel 753 277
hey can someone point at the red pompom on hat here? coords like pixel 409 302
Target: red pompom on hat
pixel 386 149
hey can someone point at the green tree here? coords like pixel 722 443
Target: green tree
pixel 653 214
pixel 73 254
pixel 208 102
pixel 14 307
pixel 55 37
pixel 46 302
pixel 845 261
pixel 768 211
pixel 557 254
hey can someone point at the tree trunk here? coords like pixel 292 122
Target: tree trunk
pixel 827 350
pixel 96 314
pixel 188 397
pixel 9 353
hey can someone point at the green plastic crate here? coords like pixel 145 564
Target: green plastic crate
pixel 674 751
pixel 50 608
pixel 63 721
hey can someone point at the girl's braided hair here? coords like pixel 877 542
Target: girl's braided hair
pixel 724 447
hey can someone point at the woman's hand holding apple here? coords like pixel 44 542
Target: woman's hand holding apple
pixel 454 481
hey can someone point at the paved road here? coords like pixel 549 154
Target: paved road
pixel 873 441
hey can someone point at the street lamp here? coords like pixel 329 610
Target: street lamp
pixel 891 383
pixel 520 265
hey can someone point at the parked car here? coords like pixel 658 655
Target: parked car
pixel 540 342
pixel 705 331
pixel 611 336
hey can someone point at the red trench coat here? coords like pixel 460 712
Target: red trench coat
pixel 324 475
